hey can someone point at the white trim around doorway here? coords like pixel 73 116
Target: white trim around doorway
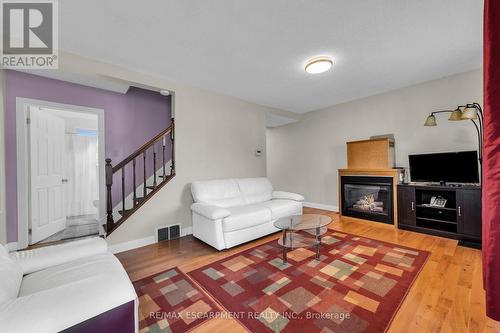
pixel 23 159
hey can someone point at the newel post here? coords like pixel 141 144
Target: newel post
pixel 109 201
pixel 172 139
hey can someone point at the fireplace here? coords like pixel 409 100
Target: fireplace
pixel 368 197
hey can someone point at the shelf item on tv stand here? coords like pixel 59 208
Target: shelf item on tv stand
pixel 459 219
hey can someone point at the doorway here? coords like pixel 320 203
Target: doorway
pixel 61 158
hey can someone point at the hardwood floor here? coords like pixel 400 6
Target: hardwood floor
pixel 446 297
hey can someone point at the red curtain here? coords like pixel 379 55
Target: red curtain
pixel 491 158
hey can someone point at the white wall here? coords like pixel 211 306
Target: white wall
pixel 216 137
pixel 3 228
pixel 304 157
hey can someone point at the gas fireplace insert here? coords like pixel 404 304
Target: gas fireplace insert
pixel 368 197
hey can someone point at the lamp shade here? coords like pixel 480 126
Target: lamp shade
pixel 470 112
pixel 430 121
pixel 456 115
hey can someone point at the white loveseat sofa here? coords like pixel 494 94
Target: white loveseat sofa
pixel 229 212
pixel 73 287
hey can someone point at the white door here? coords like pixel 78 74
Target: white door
pixel 47 209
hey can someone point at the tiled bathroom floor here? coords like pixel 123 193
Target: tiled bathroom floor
pixel 76 227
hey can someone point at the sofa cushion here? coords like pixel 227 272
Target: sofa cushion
pixel 221 192
pixel 11 276
pixel 247 216
pixel 282 208
pixel 255 190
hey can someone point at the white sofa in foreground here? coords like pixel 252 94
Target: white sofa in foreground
pixel 73 287
pixel 229 212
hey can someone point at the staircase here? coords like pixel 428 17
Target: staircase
pixel 149 185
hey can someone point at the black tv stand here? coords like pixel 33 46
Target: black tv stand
pixel 459 219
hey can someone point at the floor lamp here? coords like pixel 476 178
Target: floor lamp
pixel 472 112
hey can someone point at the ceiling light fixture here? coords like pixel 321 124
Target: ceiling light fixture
pixel 318 65
pixel 164 92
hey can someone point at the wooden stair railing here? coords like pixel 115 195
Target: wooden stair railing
pixel 137 202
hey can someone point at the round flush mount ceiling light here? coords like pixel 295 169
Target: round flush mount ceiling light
pixel 164 92
pixel 318 65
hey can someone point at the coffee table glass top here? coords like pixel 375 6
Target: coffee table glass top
pixel 302 231
pixel 303 222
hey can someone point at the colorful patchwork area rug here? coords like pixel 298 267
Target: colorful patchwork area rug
pixel 171 302
pixel 357 286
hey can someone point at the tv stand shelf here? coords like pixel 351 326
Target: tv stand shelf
pixel 431 207
pixel 436 220
pixel 460 218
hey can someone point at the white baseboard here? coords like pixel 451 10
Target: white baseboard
pixel 321 206
pixel 186 231
pixel 130 245
pixel 11 246
pixel 136 243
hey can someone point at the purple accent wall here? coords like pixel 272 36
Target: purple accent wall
pixel 131 120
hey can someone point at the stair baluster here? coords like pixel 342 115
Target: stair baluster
pixel 163 153
pixel 133 180
pixel 123 192
pixel 145 189
pixel 154 165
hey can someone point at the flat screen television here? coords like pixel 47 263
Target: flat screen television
pixel 454 167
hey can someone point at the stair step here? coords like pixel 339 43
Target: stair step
pixel 139 199
pixel 152 187
pixel 124 212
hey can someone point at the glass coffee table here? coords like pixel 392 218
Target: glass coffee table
pixel 313 226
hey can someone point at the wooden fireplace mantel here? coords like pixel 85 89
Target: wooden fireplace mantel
pixel 371 154
pixel 369 172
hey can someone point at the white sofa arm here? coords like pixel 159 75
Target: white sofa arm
pixel 209 211
pixel 45 257
pixel 287 196
pixel 53 310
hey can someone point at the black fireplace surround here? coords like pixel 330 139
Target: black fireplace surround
pixel 368 197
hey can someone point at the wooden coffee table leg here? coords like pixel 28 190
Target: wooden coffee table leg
pixel 318 243
pixel 284 247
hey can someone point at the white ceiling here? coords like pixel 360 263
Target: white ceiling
pixel 274 120
pixel 256 49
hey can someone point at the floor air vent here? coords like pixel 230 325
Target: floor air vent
pixel 168 232
pixel 174 231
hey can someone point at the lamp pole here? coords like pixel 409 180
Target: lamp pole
pixel 479 127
